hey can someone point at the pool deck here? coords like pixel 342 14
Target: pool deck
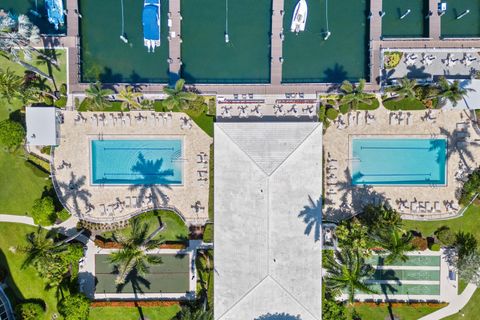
pixel 344 200
pixel 110 203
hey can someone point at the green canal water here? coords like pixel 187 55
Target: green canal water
pixel 468 26
pixel 18 7
pixel 106 57
pixel 310 58
pixel 412 25
pixel 207 58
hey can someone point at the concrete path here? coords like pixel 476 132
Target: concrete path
pixel 455 306
pixel 67 228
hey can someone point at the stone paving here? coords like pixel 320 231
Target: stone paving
pixel 430 63
pixel 113 203
pixel 344 200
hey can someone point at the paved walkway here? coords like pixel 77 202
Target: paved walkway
pixel 455 306
pixel 67 228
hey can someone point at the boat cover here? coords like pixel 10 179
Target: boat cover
pixel 151 29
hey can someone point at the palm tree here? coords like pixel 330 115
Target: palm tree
pixel 348 271
pixel 97 96
pixel 129 98
pixel 406 88
pixel 452 92
pixel 10 85
pixel 40 246
pixel 396 243
pixel 134 253
pixel 354 95
pixel 17 39
pixel 177 97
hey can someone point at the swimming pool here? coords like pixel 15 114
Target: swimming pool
pixel 387 161
pixel 137 162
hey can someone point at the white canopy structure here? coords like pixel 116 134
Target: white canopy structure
pixel 41 126
pixel 268 186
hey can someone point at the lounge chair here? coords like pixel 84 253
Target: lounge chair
pixel 436 206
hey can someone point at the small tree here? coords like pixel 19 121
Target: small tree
pixel 445 235
pixel 466 244
pixel 469 268
pixel 333 310
pixel 29 311
pixel 43 211
pixel 97 96
pixel 11 134
pixel 74 307
pixel 177 97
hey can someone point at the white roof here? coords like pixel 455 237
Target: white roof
pixel 268 186
pixel 41 126
pixel 471 100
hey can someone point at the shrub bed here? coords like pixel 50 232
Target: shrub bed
pixel 152 303
pixel 470 187
pixel 392 59
pixel 208 233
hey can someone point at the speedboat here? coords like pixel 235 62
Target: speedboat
pixel 151 24
pixel 299 18
pixel 55 12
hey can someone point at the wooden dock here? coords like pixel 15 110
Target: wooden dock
pixel 276 43
pixel 434 20
pixel 375 20
pixel 376 45
pixel 175 39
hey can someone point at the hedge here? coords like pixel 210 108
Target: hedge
pixel 208 233
pixel 40 163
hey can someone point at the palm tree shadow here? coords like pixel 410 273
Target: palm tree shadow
pixel 414 72
pixel 73 190
pixel 137 282
pixel 388 288
pixel 312 217
pixel 336 74
pixel 454 147
pixel 353 199
pixel 153 181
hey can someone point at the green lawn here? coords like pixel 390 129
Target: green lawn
pixel 60 74
pixel 174 230
pixel 22 284
pixel 471 310
pixel 151 313
pixel 404 312
pixel 404 104
pixel 469 222
pixel 20 183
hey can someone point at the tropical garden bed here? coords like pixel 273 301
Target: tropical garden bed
pixel 174 228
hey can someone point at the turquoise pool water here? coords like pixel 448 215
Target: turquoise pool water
pixel 136 162
pixel 398 161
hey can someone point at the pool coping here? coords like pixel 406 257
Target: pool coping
pixel 101 137
pixel 391 137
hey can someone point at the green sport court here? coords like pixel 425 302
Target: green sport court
pixel 105 57
pixel 467 26
pixel 413 25
pixel 388 281
pixel 171 276
pixel 344 56
pixel 29 8
pixel 207 58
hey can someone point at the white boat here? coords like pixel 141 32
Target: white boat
pixel 151 24
pixel 299 18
